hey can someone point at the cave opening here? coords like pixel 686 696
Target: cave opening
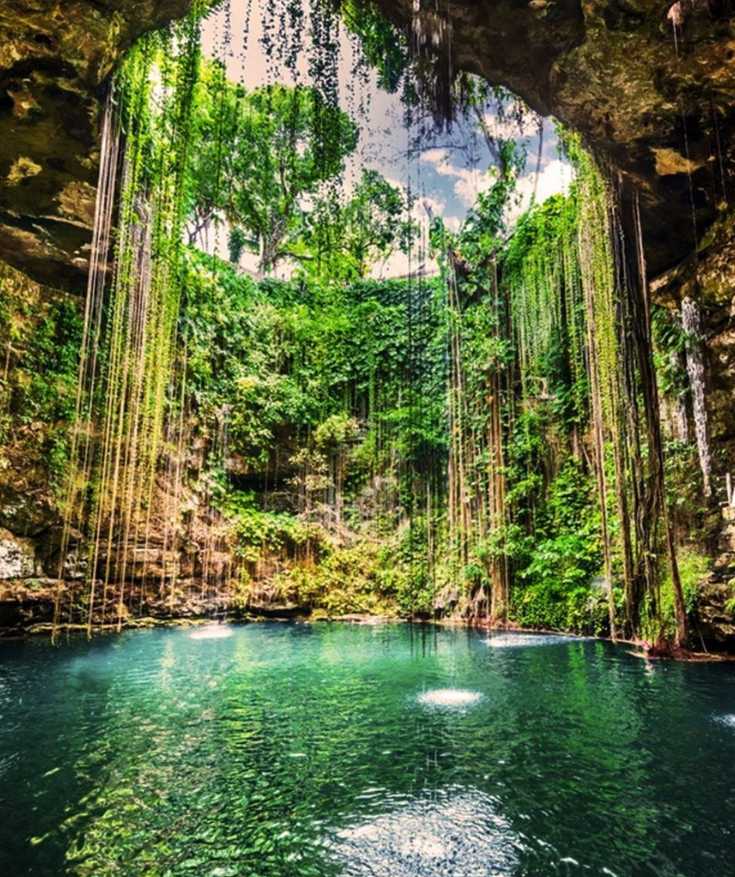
pixel 366 437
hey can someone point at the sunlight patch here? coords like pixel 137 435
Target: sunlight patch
pixel 516 640
pixel 212 631
pixel 449 697
pixel 727 719
pixel 460 837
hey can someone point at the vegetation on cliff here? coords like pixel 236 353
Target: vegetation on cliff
pixel 497 443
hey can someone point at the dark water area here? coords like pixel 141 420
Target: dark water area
pixel 388 751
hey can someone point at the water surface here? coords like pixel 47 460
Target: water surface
pixel 391 751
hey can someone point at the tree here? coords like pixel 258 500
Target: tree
pixel 259 158
pixel 342 242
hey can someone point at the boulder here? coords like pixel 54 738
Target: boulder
pixel 17 556
pixel 715 619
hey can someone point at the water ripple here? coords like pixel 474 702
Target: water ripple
pixel 318 751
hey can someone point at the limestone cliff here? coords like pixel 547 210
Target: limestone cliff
pixel 650 86
pixel 55 56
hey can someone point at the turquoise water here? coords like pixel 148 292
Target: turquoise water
pixel 387 751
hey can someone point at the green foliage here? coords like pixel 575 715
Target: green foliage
pixel 694 566
pixel 46 378
pixel 342 242
pixel 258 157
pixel 378 577
pixel 41 337
pixel 730 603
pixel 565 555
pixel 384 45
pixel 282 358
pixel 348 579
pixel 257 531
pixel 541 271
pixel 685 492
pixel 526 450
pixel 337 430
pixel 553 605
pixel 670 346
pixel 318 376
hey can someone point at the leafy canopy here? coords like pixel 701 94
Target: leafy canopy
pixel 260 158
pixel 342 242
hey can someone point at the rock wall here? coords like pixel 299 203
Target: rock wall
pixel 650 86
pixel 54 60
pixel 40 333
pixel 707 278
pixel 18 558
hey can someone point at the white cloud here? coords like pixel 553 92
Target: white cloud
pixel 439 160
pixel 469 184
pixel 554 178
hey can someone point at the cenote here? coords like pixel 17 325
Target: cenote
pixel 312 750
pixel 367 438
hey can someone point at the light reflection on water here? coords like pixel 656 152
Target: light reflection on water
pixel 449 697
pixel 212 631
pixel 519 640
pixel 306 751
pixel 460 835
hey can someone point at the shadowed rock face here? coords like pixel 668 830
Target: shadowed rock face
pixel 658 112
pixel 654 107
pixel 54 60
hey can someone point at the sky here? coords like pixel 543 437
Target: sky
pixel 447 173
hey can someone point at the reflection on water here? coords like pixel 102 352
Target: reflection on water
pixel 458 837
pixel 449 697
pixel 728 720
pixel 516 640
pixel 212 631
pixel 303 751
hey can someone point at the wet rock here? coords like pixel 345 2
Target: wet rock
pixel 48 548
pixel 708 277
pixel 276 610
pixel 139 562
